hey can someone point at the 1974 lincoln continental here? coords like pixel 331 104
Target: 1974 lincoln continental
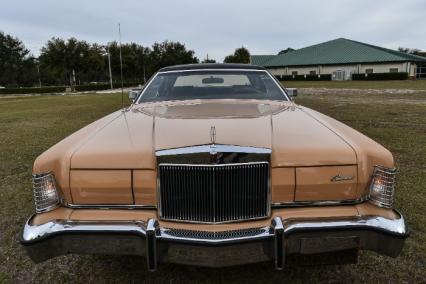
pixel 215 165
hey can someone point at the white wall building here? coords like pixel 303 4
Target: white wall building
pixel 341 58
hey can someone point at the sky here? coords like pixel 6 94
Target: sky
pixel 218 27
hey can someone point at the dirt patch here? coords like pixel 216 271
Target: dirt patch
pixel 322 91
pixel 385 96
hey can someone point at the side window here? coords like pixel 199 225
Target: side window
pixel 393 70
pixel 369 71
pixel 312 72
pixel 154 88
pixel 294 73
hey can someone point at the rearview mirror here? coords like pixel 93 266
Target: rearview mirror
pixel 213 80
pixel 133 94
pixel 292 92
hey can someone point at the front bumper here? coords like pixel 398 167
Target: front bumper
pixel 284 237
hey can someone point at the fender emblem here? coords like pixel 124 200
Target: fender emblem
pixel 341 178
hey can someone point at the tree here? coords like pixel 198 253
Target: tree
pixel 135 61
pixel 208 60
pixel 170 53
pixel 287 50
pixel 241 55
pixel 414 51
pixel 63 60
pixel 17 67
pixel 71 61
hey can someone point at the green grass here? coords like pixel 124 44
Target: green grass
pixel 30 125
pixel 398 84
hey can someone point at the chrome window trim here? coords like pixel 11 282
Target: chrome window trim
pixel 220 148
pixel 226 70
pixel 211 69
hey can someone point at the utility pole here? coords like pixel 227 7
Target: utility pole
pixel 109 65
pixel 38 72
pixel 121 68
pixel 143 65
pixel 73 80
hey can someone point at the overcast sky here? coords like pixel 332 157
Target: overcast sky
pixel 217 27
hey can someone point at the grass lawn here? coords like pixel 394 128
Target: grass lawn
pixel 397 84
pixel 28 126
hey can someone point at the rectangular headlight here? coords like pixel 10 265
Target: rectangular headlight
pixel 46 197
pixel 382 186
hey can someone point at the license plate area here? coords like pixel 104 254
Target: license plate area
pixel 328 244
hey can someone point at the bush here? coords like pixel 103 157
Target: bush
pixel 323 77
pixel 381 76
pixel 99 87
pixel 61 89
pixel 33 90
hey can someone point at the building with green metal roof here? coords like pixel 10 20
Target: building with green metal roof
pixel 341 58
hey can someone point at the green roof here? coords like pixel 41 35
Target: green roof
pixel 338 51
pixel 260 59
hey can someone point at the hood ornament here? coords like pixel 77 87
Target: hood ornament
pixel 214 159
pixel 213 134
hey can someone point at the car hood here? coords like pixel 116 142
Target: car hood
pixel 129 141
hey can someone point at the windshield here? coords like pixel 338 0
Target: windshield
pixel 229 84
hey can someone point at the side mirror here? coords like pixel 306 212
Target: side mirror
pixel 133 94
pixel 292 92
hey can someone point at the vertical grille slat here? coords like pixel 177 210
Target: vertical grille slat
pixel 214 193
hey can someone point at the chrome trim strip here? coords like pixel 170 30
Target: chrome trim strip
pixel 108 206
pixel 274 205
pixel 319 203
pixel 35 233
pixel 220 148
pixel 213 165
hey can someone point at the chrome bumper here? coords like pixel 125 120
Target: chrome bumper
pixel 282 238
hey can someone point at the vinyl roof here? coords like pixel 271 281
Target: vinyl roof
pixel 338 51
pixel 210 66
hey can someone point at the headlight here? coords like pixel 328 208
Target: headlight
pixel 382 186
pixel 46 197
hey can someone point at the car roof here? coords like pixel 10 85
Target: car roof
pixel 202 66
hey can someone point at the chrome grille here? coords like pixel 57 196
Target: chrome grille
pixel 214 193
